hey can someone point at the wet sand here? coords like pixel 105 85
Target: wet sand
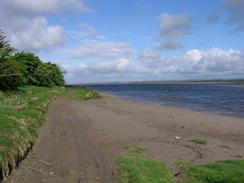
pixel 81 140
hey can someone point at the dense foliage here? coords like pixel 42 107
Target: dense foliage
pixel 24 68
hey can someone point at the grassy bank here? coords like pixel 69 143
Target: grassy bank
pixel 133 169
pixel 22 112
pixel 82 94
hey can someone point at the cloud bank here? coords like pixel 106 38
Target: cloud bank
pixel 193 64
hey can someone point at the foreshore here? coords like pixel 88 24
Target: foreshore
pixel 82 139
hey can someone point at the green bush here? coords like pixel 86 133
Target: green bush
pixel 29 64
pixel 39 73
pixel 10 74
pixel 25 68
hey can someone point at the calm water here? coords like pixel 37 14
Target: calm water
pixel 213 98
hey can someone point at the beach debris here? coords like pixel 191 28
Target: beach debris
pixel 177 137
pixel 37 171
pixel 51 173
pixel 179 171
pixel 225 146
pixel 43 162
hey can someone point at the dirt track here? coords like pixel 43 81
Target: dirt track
pixel 81 140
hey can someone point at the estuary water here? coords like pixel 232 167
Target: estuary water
pixel 222 99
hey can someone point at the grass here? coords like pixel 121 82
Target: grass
pixel 199 141
pixel 134 148
pixel 132 169
pixel 22 112
pixel 82 94
pixel 231 171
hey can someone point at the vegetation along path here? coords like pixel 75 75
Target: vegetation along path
pixel 88 141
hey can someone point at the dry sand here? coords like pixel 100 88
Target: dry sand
pixel 81 140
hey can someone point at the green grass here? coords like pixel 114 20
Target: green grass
pixel 132 169
pixel 82 94
pixel 231 171
pixel 22 112
pixel 134 148
pixel 199 141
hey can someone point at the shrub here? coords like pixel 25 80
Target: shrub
pixel 10 74
pixel 25 68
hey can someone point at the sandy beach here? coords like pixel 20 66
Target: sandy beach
pixel 82 139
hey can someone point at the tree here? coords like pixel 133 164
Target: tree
pixel 10 75
pixel 56 74
pixel 49 74
pixel 25 68
pixel 29 64
pixel 5 48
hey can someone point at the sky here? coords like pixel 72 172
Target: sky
pixel 130 40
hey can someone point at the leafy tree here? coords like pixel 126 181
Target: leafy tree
pixel 25 68
pixel 5 48
pixel 56 74
pixel 10 75
pixel 49 74
pixel 29 63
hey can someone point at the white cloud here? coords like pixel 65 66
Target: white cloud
pixel 213 63
pixel 33 34
pixel 172 28
pixel 150 54
pixel 37 7
pixel 85 33
pixel 193 64
pixel 27 26
pixel 102 50
pixel 116 69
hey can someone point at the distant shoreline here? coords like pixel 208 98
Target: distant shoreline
pixel 209 98
pixel 234 82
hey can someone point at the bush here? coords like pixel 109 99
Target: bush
pixel 48 74
pixel 10 74
pixel 29 64
pixel 25 68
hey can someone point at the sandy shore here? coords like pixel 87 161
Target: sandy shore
pixel 81 140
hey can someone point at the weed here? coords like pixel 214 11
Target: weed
pixel 134 148
pixel 199 141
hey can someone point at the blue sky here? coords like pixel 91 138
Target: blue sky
pixel 136 40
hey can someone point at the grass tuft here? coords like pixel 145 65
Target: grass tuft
pixel 133 169
pixel 230 171
pixel 134 148
pixel 82 94
pixel 199 141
